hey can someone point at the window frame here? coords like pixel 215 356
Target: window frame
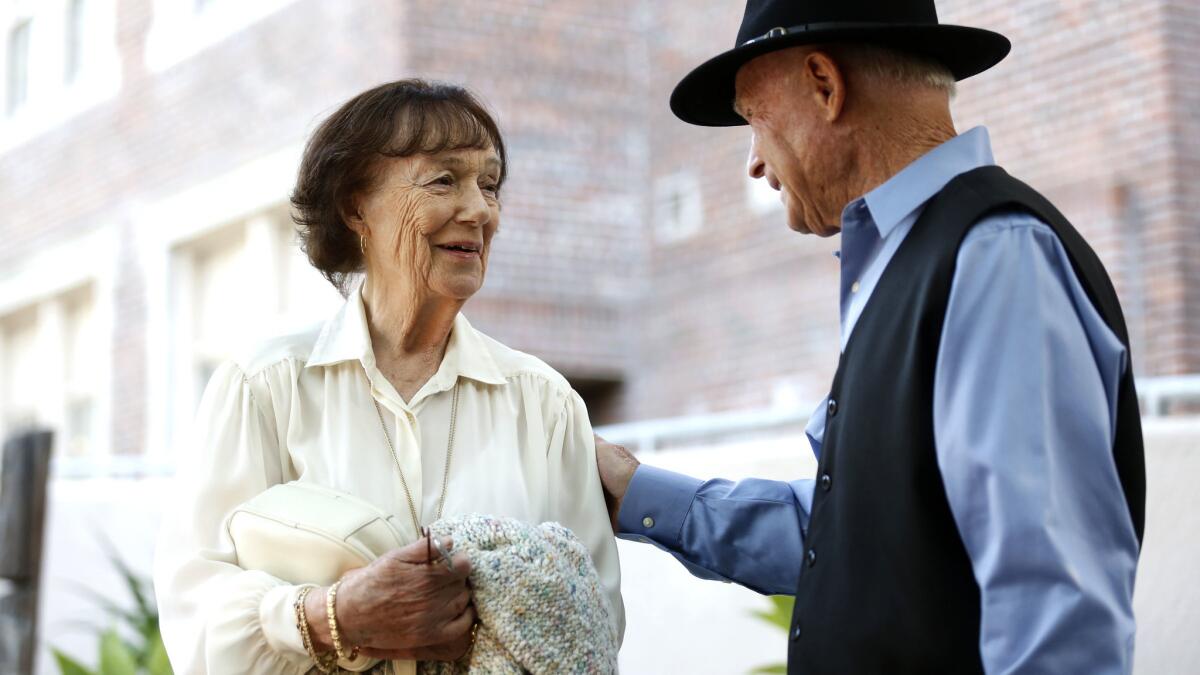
pixel 13 101
pixel 181 29
pixel 46 283
pixel 169 230
pixel 52 98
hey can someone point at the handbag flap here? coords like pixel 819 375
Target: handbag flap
pixel 304 533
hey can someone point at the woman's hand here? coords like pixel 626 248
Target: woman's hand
pixel 400 607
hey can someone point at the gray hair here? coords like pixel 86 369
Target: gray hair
pixel 884 64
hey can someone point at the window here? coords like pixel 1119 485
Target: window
pixel 49 370
pixel 218 318
pixel 18 372
pixel 59 59
pixel 678 213
pixel 89 56
pixel 305 295
pixel 182 28
pixel 17 75
pixel 80 362
pixel 233 286
pixel 74 35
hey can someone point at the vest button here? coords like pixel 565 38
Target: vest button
pixel 832 408
pixel 826 482
pixel 795 631
pixel 811 557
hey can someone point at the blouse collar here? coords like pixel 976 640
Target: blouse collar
pixel 345 337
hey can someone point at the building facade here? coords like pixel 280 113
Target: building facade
pixel 147 149
pixel 1095 107
pixel 148 233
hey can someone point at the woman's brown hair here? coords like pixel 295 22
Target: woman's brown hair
pixel 398 119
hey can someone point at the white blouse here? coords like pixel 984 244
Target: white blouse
pixel 300 408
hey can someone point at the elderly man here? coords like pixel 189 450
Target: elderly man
pixel 978 504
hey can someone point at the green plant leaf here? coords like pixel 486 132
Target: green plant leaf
pixel 116 658
pixel 105 603
pixel 156 660
pixel 779 615
pixel 80 626
pixel 144 652
pixel 150 631
pixel 780 612
pixel 139 588
pixel 69 666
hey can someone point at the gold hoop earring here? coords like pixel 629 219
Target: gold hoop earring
pixel 362 245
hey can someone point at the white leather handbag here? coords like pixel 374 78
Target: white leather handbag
pixel 308 534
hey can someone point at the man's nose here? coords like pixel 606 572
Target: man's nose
pixel 755 166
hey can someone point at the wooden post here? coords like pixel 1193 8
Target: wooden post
pixel 23 473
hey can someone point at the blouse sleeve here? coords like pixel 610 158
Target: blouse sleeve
pixel 578 498
pixel 216 617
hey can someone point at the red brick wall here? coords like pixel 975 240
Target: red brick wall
pixel 566 80
pixel 251 94
pixel 1181 25
pixel 1098 106
pixel 746 304
pixel 559 74
pixel 1088 109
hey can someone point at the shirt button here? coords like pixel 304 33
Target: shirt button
pixel 811 558
pixel 796 631
pixel 826 482
pixel 854 287
pixel 832 408
pixel 647 522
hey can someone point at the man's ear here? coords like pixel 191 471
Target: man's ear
pixel 827 83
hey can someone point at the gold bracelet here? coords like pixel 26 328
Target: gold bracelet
pixel 465 659
pixel 326 663
pixel 334 636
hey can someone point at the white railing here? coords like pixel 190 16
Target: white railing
pixel 1158 393
pixel 651 435
pixel 110 466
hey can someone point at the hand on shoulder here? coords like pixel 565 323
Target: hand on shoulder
pixel 617 466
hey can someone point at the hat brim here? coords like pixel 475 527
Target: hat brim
pixel 705 96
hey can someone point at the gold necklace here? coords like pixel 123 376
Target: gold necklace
pixel 412 509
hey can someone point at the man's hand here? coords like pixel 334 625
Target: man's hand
pixel 616 466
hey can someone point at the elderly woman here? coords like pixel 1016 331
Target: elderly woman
pixel 396 400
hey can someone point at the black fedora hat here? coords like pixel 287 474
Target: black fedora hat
pixel 705 95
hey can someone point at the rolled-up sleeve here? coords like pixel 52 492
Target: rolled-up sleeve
pixel 578 498
pixel 215 616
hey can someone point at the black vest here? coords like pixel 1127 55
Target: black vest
pixel 886 585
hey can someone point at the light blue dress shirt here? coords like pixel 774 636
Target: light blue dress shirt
pixel 1025 399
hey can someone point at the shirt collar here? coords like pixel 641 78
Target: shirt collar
pixel 345 337
pixel 918 182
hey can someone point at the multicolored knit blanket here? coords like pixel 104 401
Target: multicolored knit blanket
pixel 541 607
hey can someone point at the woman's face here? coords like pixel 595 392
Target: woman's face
pixel 430 220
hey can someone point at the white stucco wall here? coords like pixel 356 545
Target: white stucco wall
pixel 676 623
